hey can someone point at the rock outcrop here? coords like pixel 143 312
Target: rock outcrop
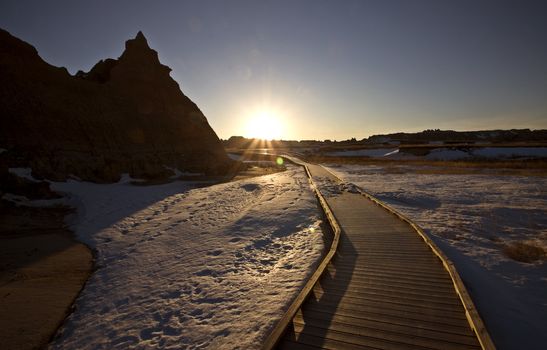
pixel 123 116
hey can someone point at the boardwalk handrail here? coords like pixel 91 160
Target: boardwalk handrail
pixel 471 313
pixel 275 336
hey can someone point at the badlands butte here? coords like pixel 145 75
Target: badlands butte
pixel 125 115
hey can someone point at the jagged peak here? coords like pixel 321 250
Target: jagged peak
pixel 139 43
pixel 140 38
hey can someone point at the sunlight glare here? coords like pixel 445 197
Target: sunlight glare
pixel 264 125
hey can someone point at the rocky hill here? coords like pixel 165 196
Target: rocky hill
pixel 125 115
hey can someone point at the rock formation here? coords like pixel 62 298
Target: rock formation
pixel 124 115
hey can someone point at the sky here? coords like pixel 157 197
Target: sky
pixel 324 69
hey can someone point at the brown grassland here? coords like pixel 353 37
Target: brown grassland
pixel 420 166
pixel 524 252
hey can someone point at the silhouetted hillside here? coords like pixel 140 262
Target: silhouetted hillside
pixel 124 115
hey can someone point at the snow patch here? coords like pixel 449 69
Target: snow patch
pixel 25 173
pixel 369 152
pixel 176 171
pixel 511 152
pixel 179 173
pixel 25 202
pixel 449 154
pixel 446 154
pixel 235 156
pixel 392 153
pixel 184 267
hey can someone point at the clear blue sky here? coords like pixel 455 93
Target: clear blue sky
pixel 329 69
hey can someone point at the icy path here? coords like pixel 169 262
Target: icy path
pixel 471 217
pixel 207 268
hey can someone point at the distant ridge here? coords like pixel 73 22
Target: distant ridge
pixel 432 135
pixel 125 115
pixel 422 137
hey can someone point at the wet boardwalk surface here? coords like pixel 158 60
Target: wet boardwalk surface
pixel 384 289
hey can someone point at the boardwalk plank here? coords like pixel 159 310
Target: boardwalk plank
pixel 390 303
pixel 342 287
pixel 412 336
pixel 384 289
pixel 376 339
pixel 399 329
pixel 390 274
pixel 396 280
pixel 385 316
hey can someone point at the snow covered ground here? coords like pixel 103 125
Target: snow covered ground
pixel 186 267
pixel 447 154
pixel 510 152
pixel 369 152
pixel 443 153
pixel 235 156
pixel 488 152
pixel 471 217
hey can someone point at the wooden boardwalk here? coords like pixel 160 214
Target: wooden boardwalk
pixel 384 289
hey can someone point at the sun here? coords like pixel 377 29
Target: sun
pixel 264 125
